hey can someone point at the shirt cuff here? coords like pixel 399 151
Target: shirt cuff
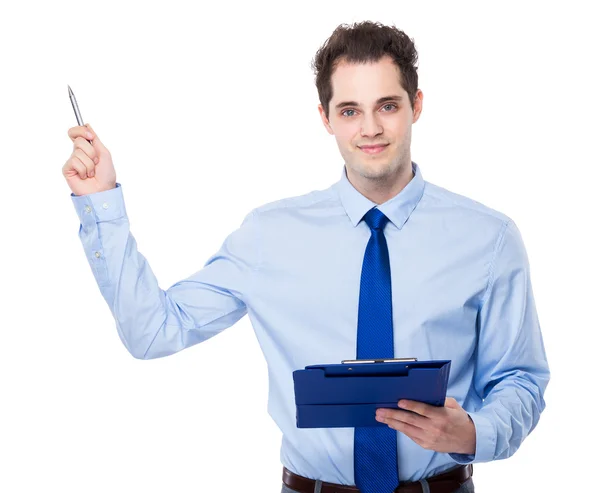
pixel 100 206
pixel 485 441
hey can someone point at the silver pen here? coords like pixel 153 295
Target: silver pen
pixel 76 109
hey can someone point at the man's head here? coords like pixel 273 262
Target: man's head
pixel 356 67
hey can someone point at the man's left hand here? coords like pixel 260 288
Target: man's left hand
pixel 443 429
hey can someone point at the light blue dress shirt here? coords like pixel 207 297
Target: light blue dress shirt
pixel 461 290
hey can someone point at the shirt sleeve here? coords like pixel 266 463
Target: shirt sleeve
pixel 512 370
pixel 152 322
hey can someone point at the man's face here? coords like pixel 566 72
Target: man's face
pixel 367 121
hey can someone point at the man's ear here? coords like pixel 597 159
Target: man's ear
pixel 324 119
pixel 418 105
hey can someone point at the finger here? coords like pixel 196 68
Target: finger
pixel 452 403
pixel 412 419
pixel 76 164
pixel 95 139
pixel 86 161
pixel 87 148
pixel 409 430
pixel 79 131
pixel 408 417
pixel 417 407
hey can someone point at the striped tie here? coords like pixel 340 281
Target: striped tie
pixel 375 453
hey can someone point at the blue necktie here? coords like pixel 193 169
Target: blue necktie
pixel 375 453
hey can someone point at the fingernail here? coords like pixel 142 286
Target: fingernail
pixel 92 173
pixel 88 135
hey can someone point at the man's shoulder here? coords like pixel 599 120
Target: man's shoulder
pixel 306 200
pixel 440 197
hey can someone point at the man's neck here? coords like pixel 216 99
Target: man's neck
pixel 380 191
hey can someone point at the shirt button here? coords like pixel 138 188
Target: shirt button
pixel 88 209
pixel 105 205
pixel 97 254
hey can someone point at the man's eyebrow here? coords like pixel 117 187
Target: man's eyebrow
pixel 378 102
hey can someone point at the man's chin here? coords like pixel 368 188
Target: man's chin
pixel 371 171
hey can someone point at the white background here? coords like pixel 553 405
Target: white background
pixel 210 110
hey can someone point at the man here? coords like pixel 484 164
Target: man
pixel 303 269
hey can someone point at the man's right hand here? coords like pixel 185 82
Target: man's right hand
pixel 89 169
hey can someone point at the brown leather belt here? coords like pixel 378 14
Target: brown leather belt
pixel 446 482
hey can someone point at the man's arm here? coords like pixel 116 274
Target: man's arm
pixel 151 322
pixel 512 370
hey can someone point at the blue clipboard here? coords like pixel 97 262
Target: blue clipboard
pixel 349 393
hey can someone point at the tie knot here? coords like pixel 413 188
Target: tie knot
pixel 375 219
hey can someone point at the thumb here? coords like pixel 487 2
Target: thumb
pixel 452 403
pixel 95 139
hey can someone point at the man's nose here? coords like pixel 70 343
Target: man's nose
pixel 370 126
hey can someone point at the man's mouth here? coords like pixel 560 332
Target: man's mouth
pixel 373 149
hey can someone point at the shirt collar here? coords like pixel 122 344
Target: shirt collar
pixel 397 209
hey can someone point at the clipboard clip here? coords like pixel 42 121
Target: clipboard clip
pixel 383 360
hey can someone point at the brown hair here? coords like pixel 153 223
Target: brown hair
pixel 361 43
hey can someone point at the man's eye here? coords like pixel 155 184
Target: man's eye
pixel 388 104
